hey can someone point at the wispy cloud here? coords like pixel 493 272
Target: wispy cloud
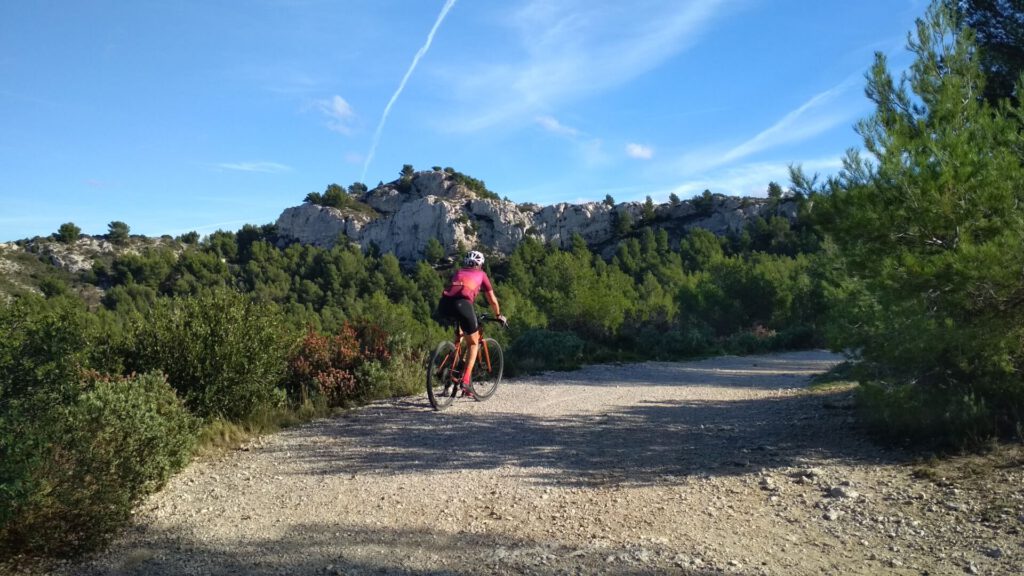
pixel 339 114
pixel 639 151
pixel 586 147
pixel 569 50
pixel 265 167
pixel 808 120
pixel 401 86
pixel 749 179
pixel 551 124
pixel 820 113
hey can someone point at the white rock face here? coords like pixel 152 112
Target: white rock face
pixel 320 225
pixel 406 232
pixel 500 225
pixel 434 205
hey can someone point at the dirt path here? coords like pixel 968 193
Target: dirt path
pixel 726 465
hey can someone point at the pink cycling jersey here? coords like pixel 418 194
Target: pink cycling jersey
pixel 466 283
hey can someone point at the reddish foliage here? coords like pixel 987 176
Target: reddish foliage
pixel 327 364
pixel 374 342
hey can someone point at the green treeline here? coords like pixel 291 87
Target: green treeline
pixel 910 261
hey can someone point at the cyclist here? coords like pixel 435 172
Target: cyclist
pixel 457 304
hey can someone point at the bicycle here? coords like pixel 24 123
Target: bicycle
pixel 444 371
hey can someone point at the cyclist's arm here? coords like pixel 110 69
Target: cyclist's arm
pixel 492 301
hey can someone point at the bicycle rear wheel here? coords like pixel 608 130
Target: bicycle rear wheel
pixel 490 364
pixel 440 389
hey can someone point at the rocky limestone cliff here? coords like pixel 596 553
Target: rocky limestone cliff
pixel 434 205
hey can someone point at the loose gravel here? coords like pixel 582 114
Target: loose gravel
pixel 722 466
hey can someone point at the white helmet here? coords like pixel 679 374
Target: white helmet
pixel 474 258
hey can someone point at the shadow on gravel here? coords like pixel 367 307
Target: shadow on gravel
pixel 754 372
pixel 336 549
pixel 652 442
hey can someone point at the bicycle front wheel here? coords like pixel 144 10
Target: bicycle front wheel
pixel 440 389
pixel 490 364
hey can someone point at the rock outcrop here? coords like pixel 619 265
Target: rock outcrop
pixel 403 216
pixel 80 255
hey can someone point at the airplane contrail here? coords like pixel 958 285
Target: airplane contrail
pixel 401 86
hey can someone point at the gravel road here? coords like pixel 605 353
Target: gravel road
pixel 722 466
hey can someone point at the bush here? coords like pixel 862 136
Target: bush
pixel 749 342
pixel 224 354
pixel 795 338
pixel 927 417
pixel 355 365
pixel 376 379
pixel 540 349
pixel 68 233
pixel 681 342
pixel 324 366
pixel 117 232
pixel 71 473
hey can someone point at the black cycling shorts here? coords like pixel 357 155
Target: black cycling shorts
pixel 459 310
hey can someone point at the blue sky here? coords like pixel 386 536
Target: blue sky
pixel 179 115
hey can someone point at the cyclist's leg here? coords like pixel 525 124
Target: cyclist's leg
pixel 471 335
pixel 473 350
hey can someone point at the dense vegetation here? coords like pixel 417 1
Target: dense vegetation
pixel 927 235
pixel 909 260
pixel 201 335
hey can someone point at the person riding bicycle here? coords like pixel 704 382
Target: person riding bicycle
pixel 457 304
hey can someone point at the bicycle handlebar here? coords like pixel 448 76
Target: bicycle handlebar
pixel 488 318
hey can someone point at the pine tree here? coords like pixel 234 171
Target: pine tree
pixel 68 232
pixel 930 234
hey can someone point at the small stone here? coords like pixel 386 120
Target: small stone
pixel 842 492
pixel 833 515
pixel 971 568
pixel 994 553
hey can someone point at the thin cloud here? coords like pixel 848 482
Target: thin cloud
pixel 639 151
pixel 563 44
pixel 339 114
pixel 552 125
pixel 807 121
pixel 750 179
pixel 264 167
pixel 820 113
pixel 401 86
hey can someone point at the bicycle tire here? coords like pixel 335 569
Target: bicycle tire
pixel 440 389
pixel 486 379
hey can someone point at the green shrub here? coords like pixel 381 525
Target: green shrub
pixel 679 342
pixel 795 338
pixel 68 233
pixel 749 342
pixel 540 349
pixel 396 377
pixel 926 416
pixel 46 343
pixel 71 473
pixel 223 353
